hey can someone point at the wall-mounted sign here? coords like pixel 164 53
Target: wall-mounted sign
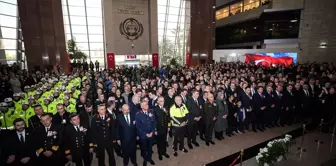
pixel 130 10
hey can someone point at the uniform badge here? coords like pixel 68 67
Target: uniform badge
pixel 121 100
pixel 214 104
pixel 150 115
pixel 200 107
pixel 63 121
pixel 134 122
pixel 108 120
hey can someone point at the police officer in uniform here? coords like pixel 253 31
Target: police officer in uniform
pixel 178 114
pixel 77 142
pixel 48 140
pixel 104 135
pixel 146 127
pixel 162 127
pixel 209 116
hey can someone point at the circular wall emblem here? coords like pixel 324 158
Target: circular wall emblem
pixel 131 28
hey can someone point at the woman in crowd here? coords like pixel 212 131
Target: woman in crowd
pixel 221 124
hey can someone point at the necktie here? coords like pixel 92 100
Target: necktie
pixel 102 117
pixel 77 128
pixel 21 138
pixel 127 120
pixel 196 102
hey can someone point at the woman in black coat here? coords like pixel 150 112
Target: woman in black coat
pixel 232 116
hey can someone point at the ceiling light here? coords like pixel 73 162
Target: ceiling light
pixel 294 20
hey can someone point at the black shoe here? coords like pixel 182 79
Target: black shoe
pixel 229 135
pixel 254 130
pixel 166 155
pixel 207 143
pixel 222 137
pixel 213 143
pixel 202 138
pixel 260 129
pixel 263 128
pixel 144 163
pixel 152 162
pixel 219 138
pixel 160 157
pixel 196 144
pixel 277 125
pixel 135 164
pixel 190 146
pixel 175 154
pixel 184 150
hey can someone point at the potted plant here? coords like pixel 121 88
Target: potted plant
pixel 274 152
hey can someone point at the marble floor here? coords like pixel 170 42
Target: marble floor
pixel 324 155
pixel 202 155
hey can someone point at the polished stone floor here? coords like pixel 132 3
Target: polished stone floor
pixel 323 155
pixel 202 155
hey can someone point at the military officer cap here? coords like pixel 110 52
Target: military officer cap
pixel 73 115
pixel 44 87
pixel 33 86
pixel 47 98
pixel 37 93
pixel 25 103
pixel 3 104
pixel 8 100
pixel 66 98
pixel 56 91
pixel 16 95
pixel 27 87
pixel 37 105
pixel 31 98
pixel 39 89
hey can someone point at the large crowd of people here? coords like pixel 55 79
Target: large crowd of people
pixel 50 118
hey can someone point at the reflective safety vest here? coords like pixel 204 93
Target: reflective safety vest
pixel 178 115
pixel 7 119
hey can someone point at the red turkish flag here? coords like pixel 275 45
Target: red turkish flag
pixel 110 60
pixel 188 59
pixel 267 60
pixel 155 60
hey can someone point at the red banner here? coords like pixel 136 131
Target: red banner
pixel 110 60
pixel 188 59
pixel 155 60
pixel 265 60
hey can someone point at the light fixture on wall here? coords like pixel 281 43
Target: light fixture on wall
pixel 203 54
pixel 294 20
pixel 233 54
pixel 323 45
pixel 195 54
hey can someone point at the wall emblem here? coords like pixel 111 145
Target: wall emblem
pixel 131 28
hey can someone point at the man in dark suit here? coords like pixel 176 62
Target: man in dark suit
pixel 62 116
pixel 270 106
pixel 127 135
pixel 20 145
pixel 184 96
pixel 201 126
pixel 162 127
pixel 246 98
pixel 152 99
pixel 209 116
pixel 48 139
pixel 77 141
pixel 104 135
pixel 194 109
pixel 289 106
pixel 278 105
pixel 258 106
pixel 34 122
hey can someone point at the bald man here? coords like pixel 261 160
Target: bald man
pixel 127 135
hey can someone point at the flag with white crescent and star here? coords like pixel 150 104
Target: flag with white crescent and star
pixel 110 60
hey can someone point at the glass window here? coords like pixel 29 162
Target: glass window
pixel 97 53
pixel 93 3
pixel 175 3
pixel 68 36
pixel 174 10
pixel 236 8
pixel 86 52
pixel 78 29
pixel 77 20
pixel 80 37
pixel 8 9
pixel 8 33
pixel 160 32
pixel 7 44
pixel 66 20
pixel 171 25
pixel 222 13
pixel 250 4
pixel 65 10
pixel 8 21
pixel 83 46
pixel 162 2
pixel 67 29
pixel 94 12
pixel 161 17
pixel 10 1
pixel 10 54
pixel 162 9
pixel 76 2
pixel 76 11
pixel 95 30
pixel 96 46
pixel 96 38
pixel 173 18
pixel 64 2
pixel 95 21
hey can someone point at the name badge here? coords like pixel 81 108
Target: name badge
pixel 81 128
pixel 150 114
pixel 49 134
pixel 63 121
pixel 200 107
pixel 134 122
